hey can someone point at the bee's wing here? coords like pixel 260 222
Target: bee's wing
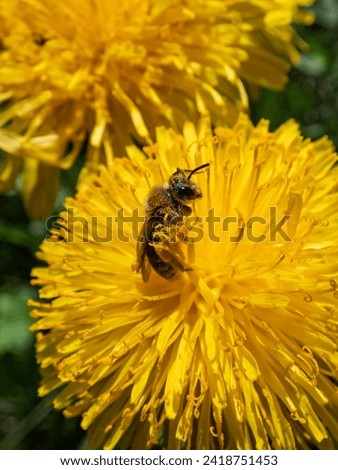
pixel 142 263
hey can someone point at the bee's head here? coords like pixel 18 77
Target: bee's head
pixel 183 189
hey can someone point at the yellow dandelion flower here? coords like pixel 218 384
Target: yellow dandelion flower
pixel 239 350
pixel 99 74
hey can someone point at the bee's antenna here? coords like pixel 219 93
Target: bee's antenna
pixel 198 168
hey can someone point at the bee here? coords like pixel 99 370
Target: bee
pixel 165 207
pixel 39 39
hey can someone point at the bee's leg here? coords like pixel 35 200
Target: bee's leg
pixel 172 254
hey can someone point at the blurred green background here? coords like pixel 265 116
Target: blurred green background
pixel 311 97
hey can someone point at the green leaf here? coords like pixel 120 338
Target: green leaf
pixel 14 320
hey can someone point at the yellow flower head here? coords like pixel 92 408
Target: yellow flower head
pixel 101 73
pixel 237 351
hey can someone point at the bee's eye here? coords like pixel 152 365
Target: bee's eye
pixel 184 191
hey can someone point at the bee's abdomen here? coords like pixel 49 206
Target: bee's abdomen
pixel 153 227
pixel 162 268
